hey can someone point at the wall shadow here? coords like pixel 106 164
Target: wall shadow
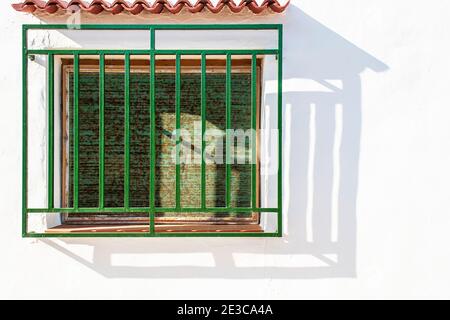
pixel 321 84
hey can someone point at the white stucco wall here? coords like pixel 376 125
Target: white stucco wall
pixel 365 172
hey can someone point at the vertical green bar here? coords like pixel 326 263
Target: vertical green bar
pixel 178 125
pixel 24 132
pixel 280 130
pixel 254 120
pixel 51 120
pixel 228 127
pixel 203 112
pixel 153 132
pixel 76 70
pixel 152 39
pixel 101 180
pixel 126 197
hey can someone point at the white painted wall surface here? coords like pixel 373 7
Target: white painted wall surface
pixel 366 172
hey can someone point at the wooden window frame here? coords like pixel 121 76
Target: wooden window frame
pixel 166 65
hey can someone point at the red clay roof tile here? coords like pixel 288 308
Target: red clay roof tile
pixel 138 6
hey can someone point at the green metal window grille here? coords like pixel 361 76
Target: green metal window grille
pixel 233 203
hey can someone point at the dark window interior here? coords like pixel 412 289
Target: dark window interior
pixel 140 142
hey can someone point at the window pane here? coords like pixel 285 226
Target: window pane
pixel 114 139
pixel 88 139
pixel 241 123
pixel 165 125
pixel 215 126
pixel 191 147
pixel 139 137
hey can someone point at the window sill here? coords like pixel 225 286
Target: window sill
pixel 144 228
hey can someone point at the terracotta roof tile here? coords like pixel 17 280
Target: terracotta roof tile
pixel 155 6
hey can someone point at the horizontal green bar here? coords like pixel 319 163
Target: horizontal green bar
pixel 218 234
pixel 217 26
pixel 154 26
pixel 88 235
pixel 89 52
pixel 131 210
pixel 217 51
pixel 153 235
pixel 86 27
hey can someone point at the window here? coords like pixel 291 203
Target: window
pixel 154 143
pixel 139 140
